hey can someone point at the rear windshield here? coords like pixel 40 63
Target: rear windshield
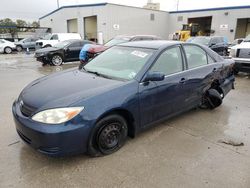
pixel 201 40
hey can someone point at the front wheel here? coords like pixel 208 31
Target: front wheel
pixel 8 50
pixel 109 136
pixel 19 48
pixel 56 60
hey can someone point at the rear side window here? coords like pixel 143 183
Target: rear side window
pixel 196 56
pixel 169 62
pixel 209 59
pixel 75 44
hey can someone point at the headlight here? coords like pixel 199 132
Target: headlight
pixel 57 115
pixel 232 52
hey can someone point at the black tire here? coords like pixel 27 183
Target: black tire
pixel 56 60
pixel 213 98
pixel 8 50
pixel 19 48
pixel 109 135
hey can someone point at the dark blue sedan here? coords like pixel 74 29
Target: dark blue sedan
pixel 121 92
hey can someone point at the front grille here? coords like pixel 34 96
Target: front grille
pixel 26 110
pixel 237 52
pixel 39 44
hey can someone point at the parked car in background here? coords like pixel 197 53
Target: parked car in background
pixel 6 46
pixel 235 42
pixel 25 43
pixel 241 55
pixel 97 49
pixel 51 39
pixel 65 51
pixel 120 93
pixel 216 43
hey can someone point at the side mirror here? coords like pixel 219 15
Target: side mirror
pixel 66 49
pixel 154 76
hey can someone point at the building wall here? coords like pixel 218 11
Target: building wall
pixel 112 20
pixel 133 21
pixel 218 18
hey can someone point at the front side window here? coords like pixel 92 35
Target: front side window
pixel 169 62
pixel 196 56
pixel 120 62
pixel 54 37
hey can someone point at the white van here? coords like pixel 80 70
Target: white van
pixel 53 38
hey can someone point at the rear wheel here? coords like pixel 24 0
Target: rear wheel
pixel 56 60
pixel 19 48
pixel 212 99
pixel 8 50
pixel 109 136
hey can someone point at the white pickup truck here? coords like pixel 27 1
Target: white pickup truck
pixel 52 39
pixel 241 55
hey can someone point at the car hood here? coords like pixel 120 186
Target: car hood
pixel 241 45
pixel 46 50
pixel 65 88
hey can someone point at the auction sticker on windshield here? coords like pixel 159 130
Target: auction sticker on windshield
pixel 139 54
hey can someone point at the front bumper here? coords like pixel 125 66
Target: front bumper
pixel 42 59
pixel 54 140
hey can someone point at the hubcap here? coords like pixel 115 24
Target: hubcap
pixel 57 60
pixel 8 50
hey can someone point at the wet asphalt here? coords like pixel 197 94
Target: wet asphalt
pixel 185 151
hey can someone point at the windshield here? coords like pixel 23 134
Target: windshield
pixel 116 41
pixel 201 40
pixel 47 37
pixel 61 44
pixel 247 39
pixel 120 62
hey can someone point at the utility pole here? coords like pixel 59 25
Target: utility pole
pixel 177 8
pixel 57 3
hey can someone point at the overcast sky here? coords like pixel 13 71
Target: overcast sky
pixel 33 9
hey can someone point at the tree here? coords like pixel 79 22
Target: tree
pixel 8 26
pixel 21 23
pixel 35 24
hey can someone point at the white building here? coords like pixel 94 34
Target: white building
pixel 112 19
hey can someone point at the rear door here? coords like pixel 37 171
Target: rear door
pixel 162 99
pixel 202 72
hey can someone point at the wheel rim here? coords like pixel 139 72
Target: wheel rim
pixel 109 137
pixel 8 50
pixel 57 60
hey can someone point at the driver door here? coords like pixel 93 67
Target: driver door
pixel 161 99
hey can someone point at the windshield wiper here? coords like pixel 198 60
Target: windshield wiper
pixel 97 73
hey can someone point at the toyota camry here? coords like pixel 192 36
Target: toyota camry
pixel 123 91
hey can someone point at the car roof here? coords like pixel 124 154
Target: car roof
pixel 76 40
pixel 134 36
pixel 153 44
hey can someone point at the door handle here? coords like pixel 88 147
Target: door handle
pixel 182 81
